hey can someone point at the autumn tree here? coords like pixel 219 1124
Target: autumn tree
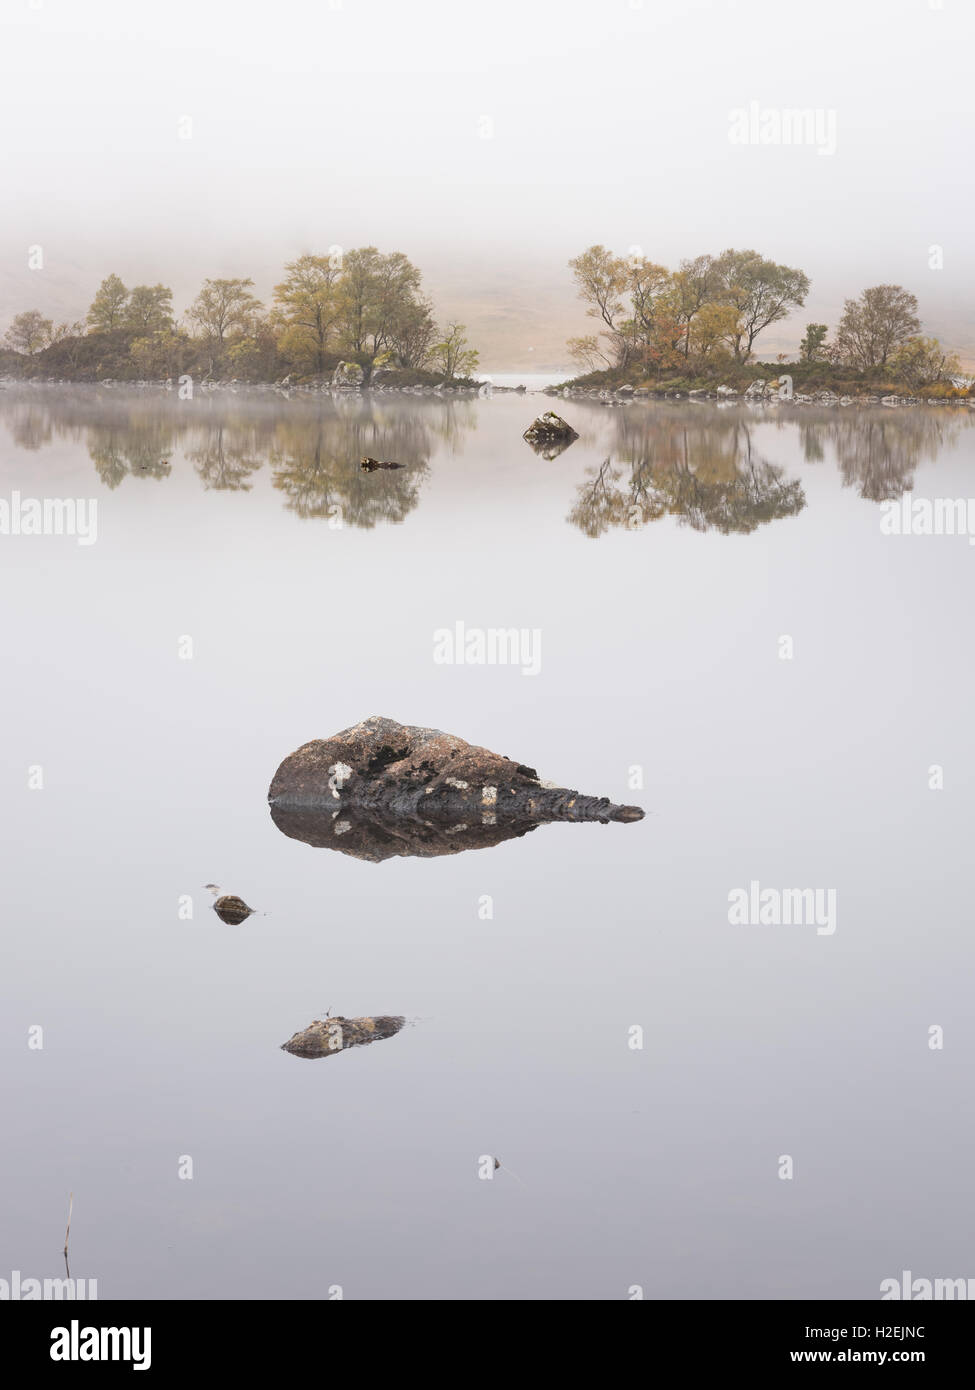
pixel 813 345
pixel 379 292
pixel 307 308
pixel 646 285
pixel 254 355
pixel 223 308
pixel 149 309
pixel 693 286
pixel 454 356
pixel 762 292
pixel 588 352
pixel 161 354
pixel 29 332
pixel 710 330
pixel 648 314
pixel 414 333
pixel 601 280
pixel 923 362
pixel 108 308
pixel 875 325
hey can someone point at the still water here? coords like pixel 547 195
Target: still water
pixel 720 616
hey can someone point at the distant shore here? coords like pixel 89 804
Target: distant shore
pixel 765 393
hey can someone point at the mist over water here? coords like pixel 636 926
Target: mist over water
pixel 187 142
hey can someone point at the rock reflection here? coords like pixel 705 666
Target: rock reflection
pixel 376 839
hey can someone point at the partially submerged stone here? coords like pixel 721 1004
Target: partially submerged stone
pixel 229 908
pixel 549 435
pixel 369 465
pixel 327 1036
pixel 380 790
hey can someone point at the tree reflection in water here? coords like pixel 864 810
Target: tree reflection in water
pixel 699 464
pixel 702 469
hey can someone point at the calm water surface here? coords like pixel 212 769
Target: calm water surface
pixel 661 558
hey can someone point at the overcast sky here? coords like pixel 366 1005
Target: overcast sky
pixel 489 142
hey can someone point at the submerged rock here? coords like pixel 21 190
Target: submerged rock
pixel 549 435
pixel 382 789
pixel 229 908
pixel 327 1036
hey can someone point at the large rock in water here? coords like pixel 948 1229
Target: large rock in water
pixel 549 434
pixel 326 1036
pixel 382 789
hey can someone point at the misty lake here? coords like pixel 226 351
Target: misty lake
pixel 723 633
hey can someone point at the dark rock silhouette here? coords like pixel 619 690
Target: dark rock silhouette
pixel 383 789
pixel 229 908
pixel 369 465
pixel 327 1036
pixel 549 435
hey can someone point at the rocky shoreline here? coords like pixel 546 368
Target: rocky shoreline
pixel 775 392
pixel 761 392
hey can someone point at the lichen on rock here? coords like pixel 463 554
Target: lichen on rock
pixel 324 1037
pixel 381 789
pixel 549 435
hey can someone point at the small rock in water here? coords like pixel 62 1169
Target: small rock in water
pixel 229 908
pixel 369 465
pixel 326 1036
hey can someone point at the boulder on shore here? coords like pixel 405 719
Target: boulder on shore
pixel 381 790
pixel 348 375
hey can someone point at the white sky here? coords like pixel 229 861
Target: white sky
pixel 314 125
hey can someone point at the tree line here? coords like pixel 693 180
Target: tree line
pixel 369 307
pixel 709 312
pixel 363 306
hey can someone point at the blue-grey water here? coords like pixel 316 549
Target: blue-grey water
pixel 248 589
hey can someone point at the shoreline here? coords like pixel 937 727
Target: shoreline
pixel 722 397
